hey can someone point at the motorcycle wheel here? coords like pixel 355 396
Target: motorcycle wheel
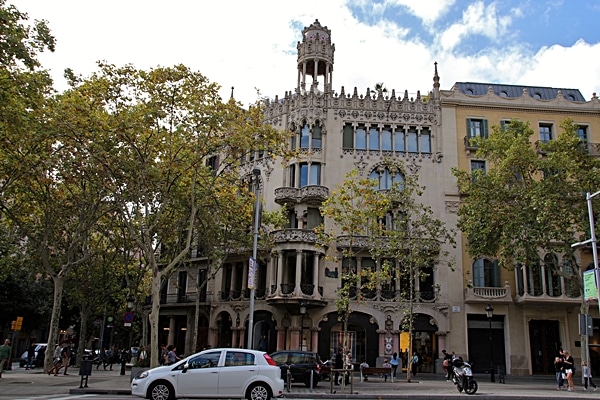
pixel 471 387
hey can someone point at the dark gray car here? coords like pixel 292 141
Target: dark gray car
pixel 301 365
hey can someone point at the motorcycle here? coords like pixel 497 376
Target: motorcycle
pixel 462 376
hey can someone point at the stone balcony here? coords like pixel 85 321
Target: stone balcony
pixel 312 194
pixel 488 294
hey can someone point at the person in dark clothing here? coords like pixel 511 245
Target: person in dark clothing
pixel 30 356
pixel 339 364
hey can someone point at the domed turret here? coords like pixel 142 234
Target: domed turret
pixel 315 58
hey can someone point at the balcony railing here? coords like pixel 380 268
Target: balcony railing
pixel 486 294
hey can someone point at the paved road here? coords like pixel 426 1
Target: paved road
pixel 34 384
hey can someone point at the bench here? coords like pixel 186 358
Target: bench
pixel 365 371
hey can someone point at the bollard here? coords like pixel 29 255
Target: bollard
pixel 85 370
pixel 123 362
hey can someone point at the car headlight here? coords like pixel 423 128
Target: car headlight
pixel 142 375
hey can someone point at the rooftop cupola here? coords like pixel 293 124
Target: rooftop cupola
pixel 315 59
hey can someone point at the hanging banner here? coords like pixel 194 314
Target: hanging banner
pixel 590 291
pixel 252 267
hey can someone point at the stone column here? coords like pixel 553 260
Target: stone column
pixel 280 337
pixel 279 273
pixel 298 278
pixel 316 275
pixel 295 337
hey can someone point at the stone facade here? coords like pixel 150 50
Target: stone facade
pixel 333 133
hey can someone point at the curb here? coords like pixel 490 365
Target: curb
pixel 120 392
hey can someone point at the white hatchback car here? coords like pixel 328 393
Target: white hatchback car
pixel 213 373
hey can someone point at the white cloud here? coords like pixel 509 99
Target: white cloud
pixel 255 46
pixel 477 19
pixel 429 11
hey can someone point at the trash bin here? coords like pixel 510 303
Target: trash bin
pixel 85 370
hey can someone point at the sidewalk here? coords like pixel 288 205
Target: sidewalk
pixel 20 382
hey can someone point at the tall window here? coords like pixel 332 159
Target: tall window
pixel 425 142
pixel 399 144
pixel 373 139
pixel 385 179
pixel 361 138
pixel 477 165
pixel 305 136
pixel 477 128
pixel 582 133
pixel 486 273
pixel 310 174
pixel 348 136
pixel 386 138
pixel 411 139
pixel 317 136
pixel 313 218
pixel 545 133
pixel 553 287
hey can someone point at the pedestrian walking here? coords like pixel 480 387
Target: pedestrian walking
pixel 101 358
pixel 30 356
pixel 414 364
pixel 447 364
pixel 111 356
pixel 339 364
pixel 587 376
pixel 57 363
pixel 162 355
pixel 349 366
pixel 569 364
pixel 172 355
pixel 394 361
pixel 66 355
pixel 5 351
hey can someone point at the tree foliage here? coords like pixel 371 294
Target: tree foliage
pixel 389 225
pixel 531 199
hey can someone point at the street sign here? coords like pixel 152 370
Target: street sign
pixel 128 317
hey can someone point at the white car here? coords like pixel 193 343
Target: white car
pixel 213 373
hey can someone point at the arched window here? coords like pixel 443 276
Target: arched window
pixel 385 179
pixel 486 273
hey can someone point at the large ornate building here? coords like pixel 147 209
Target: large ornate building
pixel 335 131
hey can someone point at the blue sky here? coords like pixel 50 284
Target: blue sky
pixel 252 44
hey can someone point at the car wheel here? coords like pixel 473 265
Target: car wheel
pixel 258 392
pixel 315 378
pixel 161 391
pixel 22 363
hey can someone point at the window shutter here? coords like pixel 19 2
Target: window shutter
pixel 484 128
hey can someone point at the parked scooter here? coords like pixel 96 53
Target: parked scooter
pixel 462 376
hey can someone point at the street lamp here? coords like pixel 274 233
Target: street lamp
pixel 302 313
pixel 130 302
pixel 489 310
pixel 253 264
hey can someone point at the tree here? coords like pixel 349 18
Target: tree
pixel 411 241
pixel 531 200
pixel 169 149
pixel 399 232
pixel 352 213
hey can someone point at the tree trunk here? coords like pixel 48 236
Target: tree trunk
pixel 59 282
pixel 83 315
pixel 153 317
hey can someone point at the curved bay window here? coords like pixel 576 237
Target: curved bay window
pixel 305 174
